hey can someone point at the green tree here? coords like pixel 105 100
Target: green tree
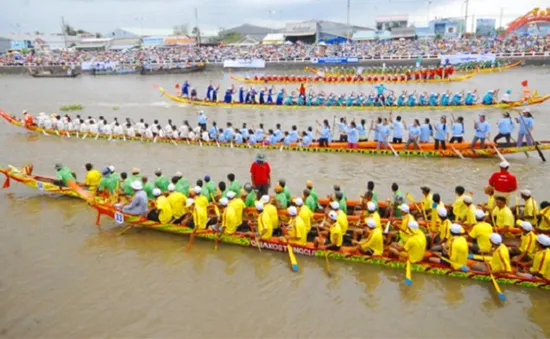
pixel 181 30
pixel 230 37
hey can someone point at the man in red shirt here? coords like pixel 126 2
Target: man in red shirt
pixel 503 182
pixel 260 175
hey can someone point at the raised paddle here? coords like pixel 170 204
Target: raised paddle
pixel 501 295
pixel 421 207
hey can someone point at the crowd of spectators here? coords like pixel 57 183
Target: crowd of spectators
pixel 287 51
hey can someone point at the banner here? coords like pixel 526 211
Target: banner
pixel 334 60
pixel 463 58
pixel 244 63
pixel 99 65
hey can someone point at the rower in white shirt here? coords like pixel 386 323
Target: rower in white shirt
pixel 48 124
pixel 184 131
pixel 205 136
pixel 130 131
pixel 168 127
pixel 83 128
pixel 106 128
pixel 140 127
pixel 191 136
pixel 117 129
pixel 148 133
pixel 161 133
pixel 40 119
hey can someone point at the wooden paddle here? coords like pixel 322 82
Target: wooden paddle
pixel 217 210
pixel 463 268
pixel 421 207
pixel 498 152
pixel 255 236
pixel 327 263
pixel 408 274
pixel 192 236
pixel 501 295
pixel 291 256
pixel 457 152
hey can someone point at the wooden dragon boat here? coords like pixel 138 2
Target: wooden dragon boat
pixel 345 253
pixel 365 148
pixel 532 101
pixel 118 71
pixel 367 79
pixel 51 75
pixel 174 70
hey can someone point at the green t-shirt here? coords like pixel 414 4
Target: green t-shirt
pixel 162 182
pixel 182 186
pixel 281 198
pixel 313 194
pixel 148 188
pixel 211 186
pixel 310 202
pixel 236 187
pixel 206 193
pixel 128 190
pixel 108 182
pixel 288 196
pixel 343 205
pixel 65 174
pixel 250 200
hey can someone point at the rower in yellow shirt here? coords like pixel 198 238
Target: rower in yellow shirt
pixel 480 233
pixel 459 209
pixel 93 177
pixel 427 201
pixel 270 209
pixel 530 210
pixel 444 235
pixel 342 217
pixel 528 246
pixel 264 223
pixel 198 217
pixel 544 224
pixel 177 202
pixel 200 200
pixel 304 213
pixel 415 246
pixel 470 219
pixel 238 206
pixel 229 222
pixel 503 218
pixel 373 244
pixel 297 229
pixel 499 263
pixel 371 214
pixel 490 205
pixel 458 249
pixel 330 238
pixel 541 263
pixel 404 231
pixel 162 211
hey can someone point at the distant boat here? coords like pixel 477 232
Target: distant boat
pixel 172 70
pixel 49 74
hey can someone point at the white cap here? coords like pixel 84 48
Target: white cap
pixel 335 205
pixel 467 198
pixel 171 187
pixel 526 110
pixel 404 208
pixel 525 192
pixel 224 201
pixel 371 206
pixel 265 199
pixel 231 195
pixel 189 202
pixel 259 206
pixel 333 215
pixel 442 211
pixel 157 192
pixel 504 164
pixel 413 225
pixel 526 225
pixel 298 201
pixel 111 168
pixel 178 174
pixel 479 214
pixel 137 185
pixel 371 223
pixel 495 238
pixel 197 189
pixel 456 228
pixel 292 211
pixel 25 111
pixel 543 239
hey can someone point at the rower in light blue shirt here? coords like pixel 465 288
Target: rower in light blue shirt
pixel 383 134
pixel 286 139
pixel 397 130
pixel 238 138
pixel 294 135
pixel 213 132
pixel 259 134
pixel 353 135
pixel 482 130
pixel 306 140
pixel 488 98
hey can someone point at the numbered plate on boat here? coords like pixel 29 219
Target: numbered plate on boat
pixel 40 185
pixel 119 218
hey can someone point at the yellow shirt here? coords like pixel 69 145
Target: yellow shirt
pixel 238 206
pixel 459 209
pixel 93 177
pixel 458 252
pixel 273 215
pixel 336 235
pixel 482 231
pixel 437 218
pixel 500 261
pixel 200 216
pixel 376 217
pixel 530 211
pixel 541 263
pixel 404 231
pixel 306 215
pixel 265 223
pixel 491 202
pixel 298 230
pixel 470 215
pixel 529 244
pixel 445 231
pixel 427 202
pixel 229 220
pixel 416 247
pixel 374 242
pixel 545 225
pixel 177 203
pixel 162 204
pixel 343 221
pixel 503 217
pixel 201 201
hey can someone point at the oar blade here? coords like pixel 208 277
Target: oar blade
pixel 408 275
pixel 293 261
pixel 501 296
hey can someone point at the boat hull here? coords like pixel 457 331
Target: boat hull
pixel 184 70
pixel 36 75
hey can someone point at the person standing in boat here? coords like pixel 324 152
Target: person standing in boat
pixel 260 175
pixel 482 130
pixel 503 182
pixel 202 119
pixel 505 128
pixel 228 97
pixel 185 89
pixel 526 125
pixel 64 175
pixel 441 133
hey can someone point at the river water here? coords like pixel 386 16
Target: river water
pixel 63 277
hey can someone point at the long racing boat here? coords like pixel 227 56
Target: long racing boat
pixel 365 148
pixel 535 100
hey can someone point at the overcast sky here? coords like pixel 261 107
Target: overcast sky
pixel 20 16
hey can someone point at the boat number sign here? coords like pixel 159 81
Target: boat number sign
pixel 40 185
pixel 119 218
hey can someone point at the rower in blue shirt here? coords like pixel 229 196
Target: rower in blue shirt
pixel 228 132
pixel 505 128
pixel 185 89
pixel 320 100
pixel 309 100
pixel 213 132
pixel 286 139
pixel 482 129
pixel 425 131
pixel 488 98
pixel 221 135
pixel 259 134
pixel 353 136
pixel 215 94
pixel 401 100
pixel 457 99
pixel 398 127
pixel 457 130
pixel 228 98
pixel 306 140
pixel 331 101
pixel 289 100
pixel 238 138
pixel 390 99
pixel 351 100
pixel 422 100
pixel 241 95
pixel 261 98
pixel 526 125
pixel 244 131
pixel 294 136
pixel 247 98
pixel 412 100
pixel 252 139
pixel 280 98
pixel 209 92
pixel 433 99
pixel 271 138
pixel 445 99
pixel 469 100
pixel 270 96
pixel 278 134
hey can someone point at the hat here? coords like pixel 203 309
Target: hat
pixel 106 172
pixel 413 225
pixel 259 206
pixel 278 188
pixel 292 211
pixel 178 174
pixel 158 171
pixel 206 178
pixel 504 164
pixel 526 225
pixel 479 214
pixel 171 187
pixel 298 201
pixel 425 188
pixel 224 201
pixel 333 215
pixel 58 166
pixel 543 239
pixel 135 170
pixel 25 111
pixel 197 189
pixel 467 199
pixel 526 110
pixel 189 202
pixel 456 229
pixel 157 192
pixel 404 208
pixel 309 184
pixel 265 199
pixel 111 168
pixel 371 223
pixel 260 157
pixel 442 211
pixel 525 192
pixel 495 238
pixel 335 205
pixel 137 185
pixel 230 195
pixel 371 206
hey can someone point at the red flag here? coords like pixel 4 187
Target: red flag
pixel 524 83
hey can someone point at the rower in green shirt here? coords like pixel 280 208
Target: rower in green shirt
pixel 64 174
pixel 286 191
pixel 148 187
pixel 182 185
pixel 309 200
pixel 250 200
pixel 108 182
pixel 313 193
pixel 234 185
pixel 162 181
pixel 280 198
pixel 211 186
pixel 339 197
pixel 128 190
